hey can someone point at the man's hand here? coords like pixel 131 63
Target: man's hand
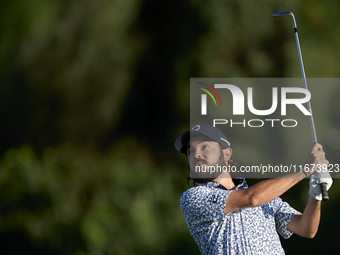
pixel 317 166
pixel 320 176
pixel 315 158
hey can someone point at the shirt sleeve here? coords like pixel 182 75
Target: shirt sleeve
pixel 202 205
pixel 283 215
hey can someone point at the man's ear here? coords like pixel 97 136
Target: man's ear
pixel 227 154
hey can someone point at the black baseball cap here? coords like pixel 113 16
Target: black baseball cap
pixel 203 129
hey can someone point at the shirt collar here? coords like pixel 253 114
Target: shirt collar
pixel 239 182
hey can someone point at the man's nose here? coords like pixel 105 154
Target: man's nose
pixel 198 154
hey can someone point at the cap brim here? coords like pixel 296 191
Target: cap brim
pixel 183 139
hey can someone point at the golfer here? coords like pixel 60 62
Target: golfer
pixel 224 216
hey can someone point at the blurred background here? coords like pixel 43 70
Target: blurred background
pixel 93 94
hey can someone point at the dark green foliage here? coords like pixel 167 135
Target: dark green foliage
pixel 93 94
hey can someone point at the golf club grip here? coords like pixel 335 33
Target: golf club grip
pixel 324 192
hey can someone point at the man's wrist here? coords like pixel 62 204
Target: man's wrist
pixel 305 171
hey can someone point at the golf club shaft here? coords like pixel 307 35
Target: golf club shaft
pixel 323 187
pixel 309 106
pixel 324 192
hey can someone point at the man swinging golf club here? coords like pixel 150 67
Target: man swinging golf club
pixel 224 216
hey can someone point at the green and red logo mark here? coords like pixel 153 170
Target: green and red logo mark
pixel 204 96
pixel 207 91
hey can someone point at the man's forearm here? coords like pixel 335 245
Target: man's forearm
pixel 307 224
pixel 267 190
pixel 262 192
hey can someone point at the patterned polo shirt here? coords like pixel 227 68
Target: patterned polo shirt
pixel 247 231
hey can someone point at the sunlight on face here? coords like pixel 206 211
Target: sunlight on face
pixel 204 155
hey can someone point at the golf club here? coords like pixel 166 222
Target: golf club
pixel 325 196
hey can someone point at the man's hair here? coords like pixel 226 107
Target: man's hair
pixel 231 162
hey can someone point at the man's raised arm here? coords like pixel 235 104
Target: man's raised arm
pixel 266 191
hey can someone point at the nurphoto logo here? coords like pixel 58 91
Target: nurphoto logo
pixel 243 100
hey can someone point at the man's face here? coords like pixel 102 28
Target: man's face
pixel 202 153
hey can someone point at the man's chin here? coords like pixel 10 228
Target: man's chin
pixel 203 171
pixel 201 168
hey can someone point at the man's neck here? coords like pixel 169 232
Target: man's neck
pixel 227 182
